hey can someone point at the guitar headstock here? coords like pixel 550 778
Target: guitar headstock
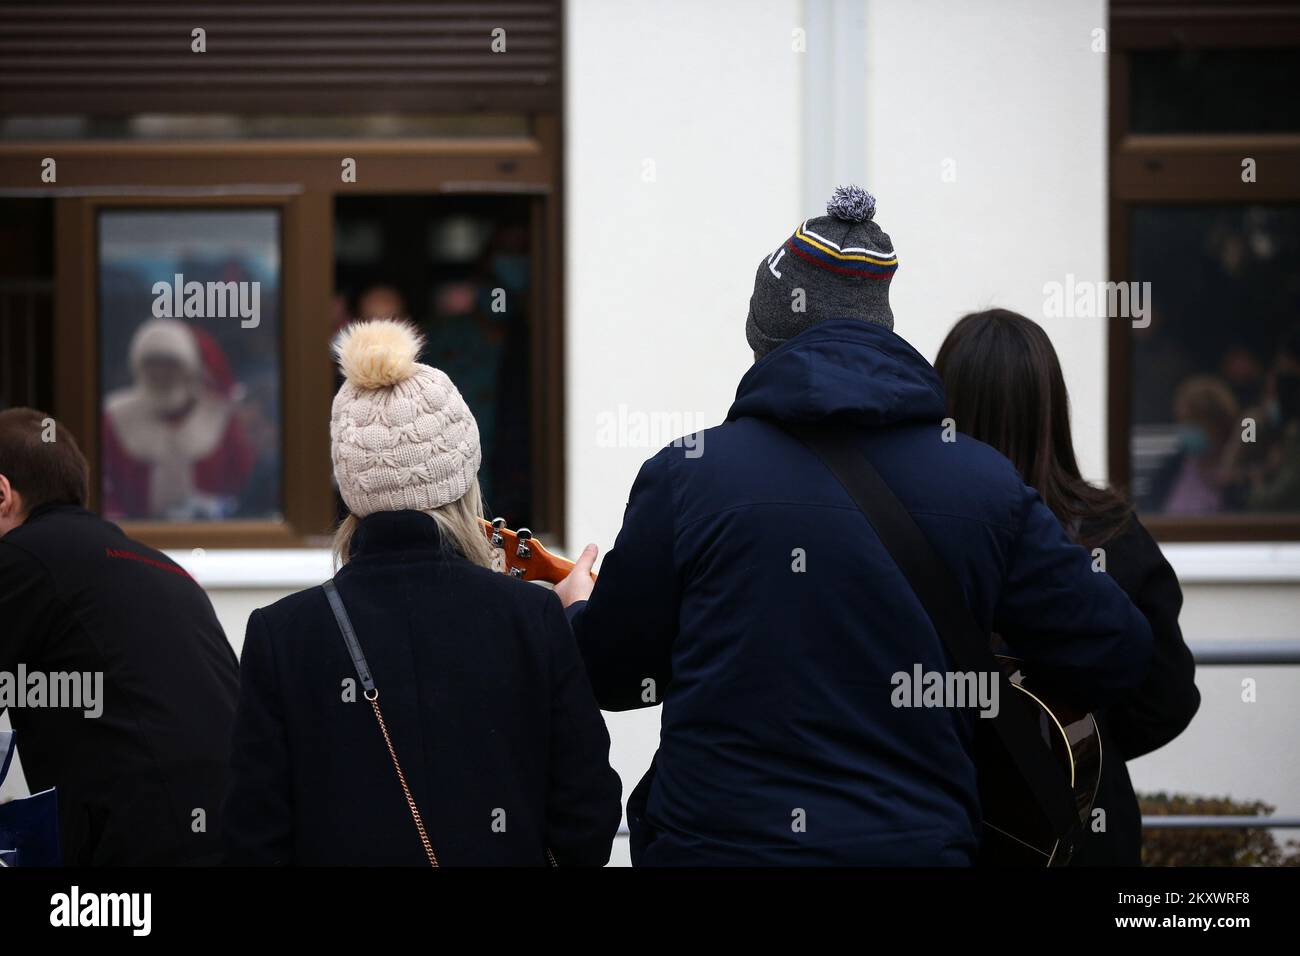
pixel 524 556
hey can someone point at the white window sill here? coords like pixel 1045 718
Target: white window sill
pixel 279 569
pixel 1234 563
pixel 287 569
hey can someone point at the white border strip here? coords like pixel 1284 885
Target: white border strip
pixel 284 569
pixel 280 569
pixel 1234 563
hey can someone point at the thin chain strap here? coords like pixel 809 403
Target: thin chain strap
pixel 401 778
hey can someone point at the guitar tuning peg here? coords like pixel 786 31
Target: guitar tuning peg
pixel 497 540
pixel 524 536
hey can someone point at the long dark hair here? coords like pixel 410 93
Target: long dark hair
pixel 1005 388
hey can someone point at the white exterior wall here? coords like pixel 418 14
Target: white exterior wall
pixel 659 272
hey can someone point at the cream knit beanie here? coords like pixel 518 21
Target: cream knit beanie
pixel 401 436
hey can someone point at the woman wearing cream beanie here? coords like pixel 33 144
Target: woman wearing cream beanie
pixel 402 438
pixel 488 748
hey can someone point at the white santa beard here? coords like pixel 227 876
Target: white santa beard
pixel 167 401
pixel 171 449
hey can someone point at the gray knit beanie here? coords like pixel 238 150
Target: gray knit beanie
pixel 401 436
pixel 836 266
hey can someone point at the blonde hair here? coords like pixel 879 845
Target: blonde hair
pixel 458 523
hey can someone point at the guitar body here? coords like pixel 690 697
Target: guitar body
pixel 1015 831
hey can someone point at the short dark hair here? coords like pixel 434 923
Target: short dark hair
pixel 44 472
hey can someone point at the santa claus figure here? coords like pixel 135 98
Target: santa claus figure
pixel 173 449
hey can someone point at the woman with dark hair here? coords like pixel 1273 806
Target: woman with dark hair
pixel 1004 387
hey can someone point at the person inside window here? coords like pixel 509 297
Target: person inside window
pixel 173 447
pixel 1201 479
pixel 1275 485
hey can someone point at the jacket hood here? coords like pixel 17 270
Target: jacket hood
pixel 845 369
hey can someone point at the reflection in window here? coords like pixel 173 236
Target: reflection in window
pixel 460 268
pixel 189 333
pixel 1216 375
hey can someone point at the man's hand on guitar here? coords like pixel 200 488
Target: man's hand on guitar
pixel 578 583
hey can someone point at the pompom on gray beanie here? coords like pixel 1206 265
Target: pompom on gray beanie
pixel 401 436
pixel 836 266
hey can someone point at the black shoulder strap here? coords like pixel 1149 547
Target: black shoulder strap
pixel 349 636
pixel 940 594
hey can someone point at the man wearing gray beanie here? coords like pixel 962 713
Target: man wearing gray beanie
pixel 837 266
pixel 750 595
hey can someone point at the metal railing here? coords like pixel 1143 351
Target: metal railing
pixel 1233 654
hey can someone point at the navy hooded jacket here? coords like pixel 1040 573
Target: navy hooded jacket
pixel 749 596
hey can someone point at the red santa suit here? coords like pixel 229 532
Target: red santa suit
pixel 177 455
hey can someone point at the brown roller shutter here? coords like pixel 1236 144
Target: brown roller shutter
pixel 284 56
pixel 1204 24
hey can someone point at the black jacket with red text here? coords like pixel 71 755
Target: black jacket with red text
pixel 141 783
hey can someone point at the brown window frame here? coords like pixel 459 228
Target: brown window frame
pixel 303 179
pixel 1187 169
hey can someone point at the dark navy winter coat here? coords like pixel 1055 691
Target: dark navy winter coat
pixel 484 695
pixel 779 742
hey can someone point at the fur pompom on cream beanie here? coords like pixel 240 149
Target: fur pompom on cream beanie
pixel 401 436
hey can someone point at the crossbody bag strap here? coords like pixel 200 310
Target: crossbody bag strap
pixel 941 595
pixel 372 694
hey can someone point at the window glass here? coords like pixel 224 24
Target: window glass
pixel 461 269
pixel 1214 91
pixel 26 303
pixel 189 357
pixel 1216 374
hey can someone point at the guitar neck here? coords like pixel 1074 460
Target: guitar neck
pixel 524 556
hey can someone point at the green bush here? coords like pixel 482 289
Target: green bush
pixel 1211 846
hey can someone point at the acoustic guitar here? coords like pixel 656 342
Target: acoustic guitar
pixel 1015 833
pixel 525 557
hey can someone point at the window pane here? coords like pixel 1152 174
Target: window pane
pixel 189 339
pixel 1216 375
pixel 27 303
pixel 1214 91
pixel 461 268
